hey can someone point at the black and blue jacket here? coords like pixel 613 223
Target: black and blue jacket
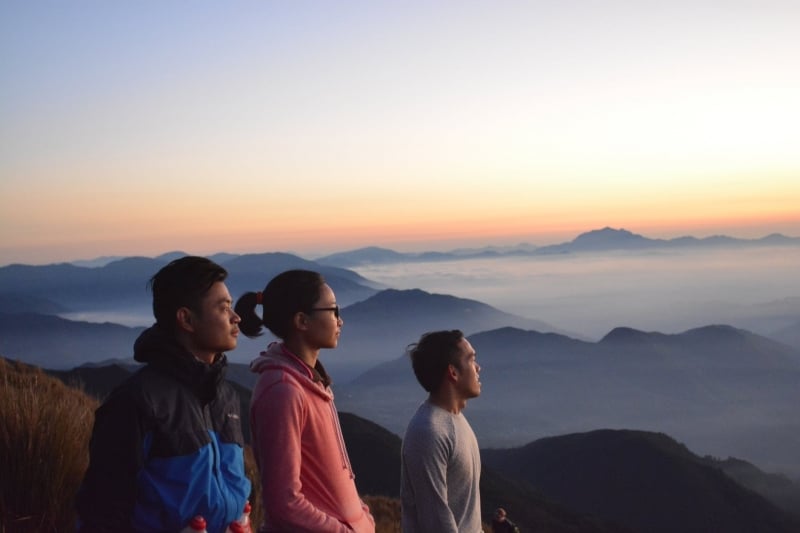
pixel 167 445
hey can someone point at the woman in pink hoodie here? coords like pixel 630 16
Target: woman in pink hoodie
pixel 306 477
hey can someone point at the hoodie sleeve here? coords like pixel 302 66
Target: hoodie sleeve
pixel 107 495
pixel 278 416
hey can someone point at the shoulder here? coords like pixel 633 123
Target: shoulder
pixel 278 377
pixel 136 396
pixel 276 385
pixel 430 425
pixel 227 391
pixel 139 384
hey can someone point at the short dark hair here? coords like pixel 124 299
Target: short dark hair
pixel 285 295
pixel 182 283
pixel 432 354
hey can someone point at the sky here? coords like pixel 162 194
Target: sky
pixel 139 128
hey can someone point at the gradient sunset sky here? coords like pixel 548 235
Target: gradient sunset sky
pixel 138 128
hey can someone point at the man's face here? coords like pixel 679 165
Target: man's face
pixel 215 328
pixel 468 370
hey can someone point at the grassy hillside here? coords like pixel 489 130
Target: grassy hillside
pixel 44 440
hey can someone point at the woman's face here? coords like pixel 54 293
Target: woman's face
pixel 325 325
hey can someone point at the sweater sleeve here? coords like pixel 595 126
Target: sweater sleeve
pixel 277 419
pixel 107 495
pixel 425 458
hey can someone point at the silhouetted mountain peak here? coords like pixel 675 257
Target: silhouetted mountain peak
pixel 510 334
pixel 712 334
pixel 388 299
pixel 139 266
pixel 277 261
pixel 171 256
pixel 366 255
pixel 602 239
pixel 625 335
pixel 715 346
pixel 133 260
pixel 776 238
pixel 717 332
pixel 622 441
pixel 607 233
pixel 518 337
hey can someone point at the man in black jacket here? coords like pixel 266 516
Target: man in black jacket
pixel 167 444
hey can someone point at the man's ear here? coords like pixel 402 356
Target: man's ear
pixel 452 372
pixel 184 319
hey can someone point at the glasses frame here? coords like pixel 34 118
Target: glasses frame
pixel 335 309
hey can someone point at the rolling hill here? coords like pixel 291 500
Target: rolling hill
pixel 53 342
pixel 645 481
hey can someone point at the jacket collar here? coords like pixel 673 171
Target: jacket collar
pixel 277 356
pixel 163 352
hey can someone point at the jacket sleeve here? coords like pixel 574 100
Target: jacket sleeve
pixel 107 495
pixel 277 419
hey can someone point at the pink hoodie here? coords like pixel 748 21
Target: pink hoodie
pixel 307 481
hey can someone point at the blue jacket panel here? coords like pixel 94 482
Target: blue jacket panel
pixel 167 445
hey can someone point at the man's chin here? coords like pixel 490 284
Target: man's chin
pixel 228 347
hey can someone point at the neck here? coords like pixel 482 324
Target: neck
pixel 306 354
pixel 201 355
pixel 447 400
pixel 205 357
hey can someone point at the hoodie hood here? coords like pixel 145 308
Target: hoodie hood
pixel 162 351
pixel 278 359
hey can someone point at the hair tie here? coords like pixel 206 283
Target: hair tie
pixel 259 298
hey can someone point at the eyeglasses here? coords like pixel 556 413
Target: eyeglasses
pixel 335 310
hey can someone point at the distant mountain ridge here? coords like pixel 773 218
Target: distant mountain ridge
pixel 602 239
pixel 123 283
pixel 53 342
pixel 379 328
pixel 605 239
pixel 392 319
pixel 376 329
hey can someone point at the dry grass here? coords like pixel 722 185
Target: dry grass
pixel 386 512
pixel 44 442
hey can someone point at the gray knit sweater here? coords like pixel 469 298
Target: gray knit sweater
pixel 441 471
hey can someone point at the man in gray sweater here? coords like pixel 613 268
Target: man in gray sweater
pixel 441 463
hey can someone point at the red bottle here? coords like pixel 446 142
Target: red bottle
pixel 196 525
pixel 242 524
